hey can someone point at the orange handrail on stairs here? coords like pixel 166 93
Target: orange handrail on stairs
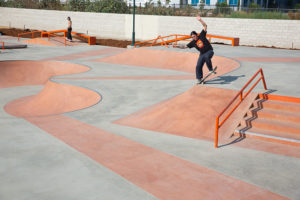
pixel 242 97
pixel 32 32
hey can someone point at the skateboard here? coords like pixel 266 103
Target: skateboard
pixel 210 73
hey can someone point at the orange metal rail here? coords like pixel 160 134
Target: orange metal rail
pixel 91 40
pixel 2 44
pixel 234 40
pixel 163 42
pixel 49 36
pixel 19 34
pixel 242 97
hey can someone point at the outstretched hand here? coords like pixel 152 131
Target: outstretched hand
pixel 202 22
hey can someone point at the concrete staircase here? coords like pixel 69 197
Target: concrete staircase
pixel 273 118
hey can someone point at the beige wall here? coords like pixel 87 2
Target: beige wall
pixel 278 33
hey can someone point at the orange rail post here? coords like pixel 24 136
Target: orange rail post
pixel 263 79
pixel 217 132
pixel 242 97
pixel 2 45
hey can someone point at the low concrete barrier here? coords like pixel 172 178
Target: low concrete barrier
pixel 256 32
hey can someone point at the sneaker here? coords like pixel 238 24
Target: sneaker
pixel 199 81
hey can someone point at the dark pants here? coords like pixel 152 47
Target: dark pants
pixel 204 58
pixel 69 35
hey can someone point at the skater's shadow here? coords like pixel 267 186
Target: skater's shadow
pixel 223 79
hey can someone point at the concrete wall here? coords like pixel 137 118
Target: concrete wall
pixel 278 33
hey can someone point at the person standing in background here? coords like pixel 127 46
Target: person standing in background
pixel 69 35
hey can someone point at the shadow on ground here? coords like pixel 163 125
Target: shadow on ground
pixel 224 79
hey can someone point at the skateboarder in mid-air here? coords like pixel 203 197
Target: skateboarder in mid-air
pixel 201 43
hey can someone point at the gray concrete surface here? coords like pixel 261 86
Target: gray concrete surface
pixel 34 165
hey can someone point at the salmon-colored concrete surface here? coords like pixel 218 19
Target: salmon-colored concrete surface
pixel 280 98
pixel 191 114
pixel 85 54
pixel 39 41
pixel 54 41
pixel 271 147
pixel 268 59
pixel 181 61
pixel 273 140
pixel 53 99
pixel 163 175
pixel 17 73
pixel 170 77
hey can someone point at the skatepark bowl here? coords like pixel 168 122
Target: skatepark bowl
pixel 96 122
pixel 54 98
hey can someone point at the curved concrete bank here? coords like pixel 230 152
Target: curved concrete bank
pixel 53 99
pixel 180 61
pixel 191 114
pixel 18 73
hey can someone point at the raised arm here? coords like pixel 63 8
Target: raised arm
pixel 202 22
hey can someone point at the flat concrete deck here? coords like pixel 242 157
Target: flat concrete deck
pixel 95 122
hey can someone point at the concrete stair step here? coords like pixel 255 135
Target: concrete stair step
pixel 276 125
pixel 274 114
pixel 281 105
pixel 272 136
pixel 276 120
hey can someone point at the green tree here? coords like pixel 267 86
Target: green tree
pixel 77 5
pixel 2 3
pixel 50 4
pixel 107 6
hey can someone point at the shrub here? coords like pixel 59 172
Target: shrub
pixel 259 15
pixel 107 6
pixel 50 4
pixel 77 5
pixel 222 8
pixel 22 3
pixel 254 5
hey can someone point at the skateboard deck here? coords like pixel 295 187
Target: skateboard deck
pixel 210 73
